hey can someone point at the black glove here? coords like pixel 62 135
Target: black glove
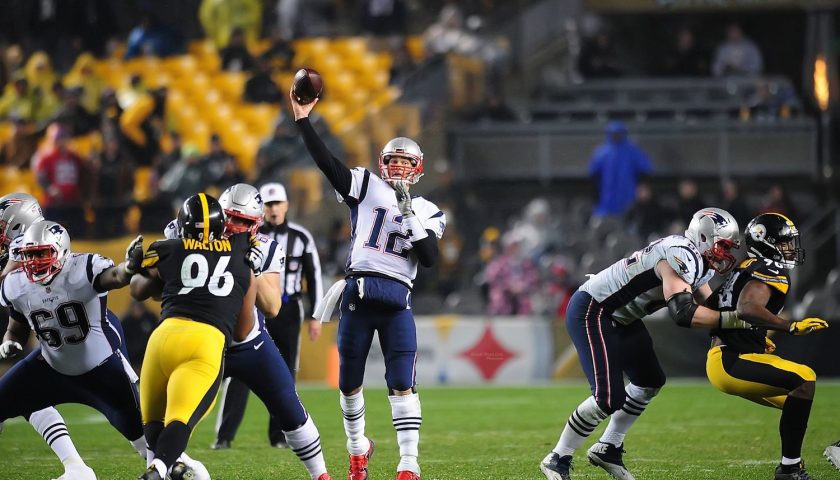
pixel 134 255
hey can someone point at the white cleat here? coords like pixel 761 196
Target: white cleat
pixel 832 453
pixel 609 457
pixel 77 472
pixel 198 468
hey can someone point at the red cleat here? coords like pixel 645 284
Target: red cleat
pixel 325 476
pixel 407 475
pixel 359 463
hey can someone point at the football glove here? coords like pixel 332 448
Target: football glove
pixel 808 325
pixel 403 199
pixel 10 349
pixel 769 346
pixel 134 255
pixel 255 258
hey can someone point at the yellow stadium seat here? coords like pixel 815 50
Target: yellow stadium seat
pixel 332 111
pixel 350 47
pixel 6 131
pixel 231 84
pixel 202 47
pixel 284 80
pixel 141 184
pixel 209 63
pixel 415 47
pixel 307 49
pixel 180 65
pixel 327 64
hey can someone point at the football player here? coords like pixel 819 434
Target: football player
pixel 62 297
pixel 392 233
pixel 604 321
pixel 207 288
pixel 256 362
pixel 741 362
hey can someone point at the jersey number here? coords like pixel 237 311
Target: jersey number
pixel 633 259
pixel 391 243
pixel 194 272
pixel 70 315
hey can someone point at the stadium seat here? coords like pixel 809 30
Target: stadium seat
pixel 142 192
pixel 415 47
pixel 350 47
pixel 231 84
pixel 332 111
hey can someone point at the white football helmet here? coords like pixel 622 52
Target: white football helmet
pixel 44 249
pixel 401 147
pixel 17 212
pixel 243 203
pixel 715 233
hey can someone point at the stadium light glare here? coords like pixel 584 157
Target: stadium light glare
pixel 821 83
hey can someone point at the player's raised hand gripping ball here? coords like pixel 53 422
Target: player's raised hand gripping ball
pixel 307 86
pixel 808 325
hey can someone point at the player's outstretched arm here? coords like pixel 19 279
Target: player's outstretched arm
pixel 752 307
pixel 120 275
pixel 336 172
pixel 146 284
pixel 246 315
pixel 682 308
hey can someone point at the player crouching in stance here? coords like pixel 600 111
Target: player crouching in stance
pixel 604 321
pixel 62 297
pixel 741 361
pixel 208 292
pixel 392 233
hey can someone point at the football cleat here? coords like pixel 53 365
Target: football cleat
pixel 220 445
pixel 832 453
pixel 407 475
pixel 792 472
pixel 608 456
pixel 150 474
pixel 180 471
pixel 77 472
pixel 555 467
pixel 359 463
pixel 198 468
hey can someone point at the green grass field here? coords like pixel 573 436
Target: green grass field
pixel 690 431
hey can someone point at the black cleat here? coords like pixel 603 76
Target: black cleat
pixel 180 471
pixel 609 457
pixel 792 472
pixel 150 474
pixel 220 445
pixel 555 467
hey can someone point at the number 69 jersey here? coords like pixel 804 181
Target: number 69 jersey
pixel 632 289
pixel 202 281
pixel 379 241
pixel 68 315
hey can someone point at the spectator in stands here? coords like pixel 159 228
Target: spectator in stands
pixel 260 88
pixel 777 200
pixel 84 76
pixel 168 160
pixel 220 17
pixel 737 55
pixel 511 280
pixel 63 176
pixel 769 102
pixel 113 187
pixel 686 59
pixel 235 56
pixel 187 177
pixel 218 162
pixel 734 203
pixel 18 105
pixel 688 202
pixel 18 102
pixel 138 323
pixel 141 124
pixel 447 32
pixel 647 217
pixel 135 89
pixel 616 166
pixel 49 102
pixel 383 17
pixel 599 57
pixel 39 72
pixel 534 231
pixel 279 153
pixel 280 54
pixel 110 111
pixel 12 63
pixel 73 115
pixel 153 38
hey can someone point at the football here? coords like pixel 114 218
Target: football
pixel 308 85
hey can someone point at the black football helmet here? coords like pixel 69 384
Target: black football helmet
pixel 201 218
pixel 774 236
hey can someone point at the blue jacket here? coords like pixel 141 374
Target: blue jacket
pixel 616 165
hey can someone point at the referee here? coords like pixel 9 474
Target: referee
pixel 302 262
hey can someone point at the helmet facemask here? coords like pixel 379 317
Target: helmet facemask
pixel 40 262
pixel 392 171
pixel 238 222
pixel 720 255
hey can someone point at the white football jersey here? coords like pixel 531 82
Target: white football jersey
pixel 68 315
pixel 379 240
pixel 631 288
pixel 274 261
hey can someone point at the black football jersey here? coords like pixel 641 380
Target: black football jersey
pixel 725 298
pixel 205 282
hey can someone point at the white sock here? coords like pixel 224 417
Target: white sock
pixel 635 402
pixel 141 447
pixel 407 417
pixel 160 467
pixel 582 422
pixel 353 408
pixel 306 443
pixel 50 425
pixel 791 461
pixel 150 455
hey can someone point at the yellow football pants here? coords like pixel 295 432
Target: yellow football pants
pixel 760 377
pixel 182 371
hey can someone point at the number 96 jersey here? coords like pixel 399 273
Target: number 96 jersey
pixel 68 315
pixel 202 281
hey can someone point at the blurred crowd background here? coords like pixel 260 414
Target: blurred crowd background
pixel 558 135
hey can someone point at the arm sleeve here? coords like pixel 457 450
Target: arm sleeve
pixel 426 249
pixel 312 270
pixel 337 173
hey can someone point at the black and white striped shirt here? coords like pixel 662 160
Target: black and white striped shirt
pixel 301 261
